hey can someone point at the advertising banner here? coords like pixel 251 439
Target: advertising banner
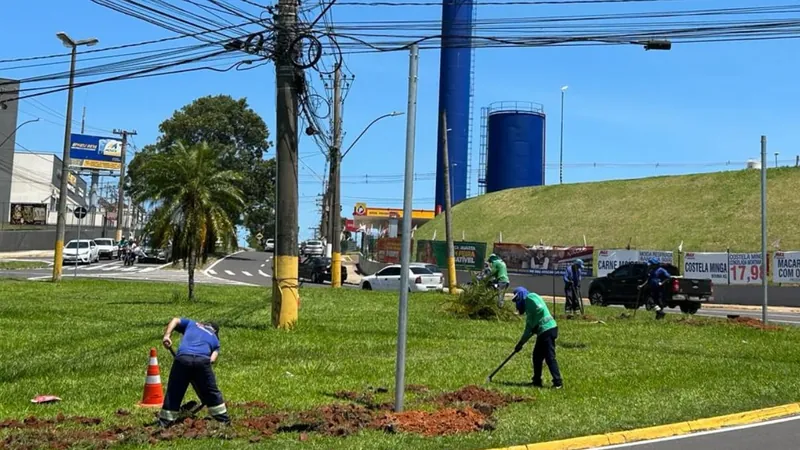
pixel 786 267
pixel 745 268
pixel 609 260
pixel 28 214
pixel 387 250
pixel 95 152
pixel 469 255
pixel 542 260
pixel 706 266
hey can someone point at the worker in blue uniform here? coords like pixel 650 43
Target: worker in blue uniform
pixel 657 279
pixel 199 349
pixel 572 285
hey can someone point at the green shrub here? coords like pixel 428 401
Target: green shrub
pixel 479 301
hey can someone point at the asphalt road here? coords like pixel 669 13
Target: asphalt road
pixel 781 434
pixel 252 268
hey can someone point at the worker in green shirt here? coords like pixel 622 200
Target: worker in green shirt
pixel 539 321
pixel 498 276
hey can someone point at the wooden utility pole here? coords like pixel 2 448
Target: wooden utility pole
pixel 448 217
pixel 335 215
pixel 120 188
pixel 285 296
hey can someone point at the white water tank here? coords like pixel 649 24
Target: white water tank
pixel 753 164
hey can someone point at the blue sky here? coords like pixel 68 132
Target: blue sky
pixel 698 103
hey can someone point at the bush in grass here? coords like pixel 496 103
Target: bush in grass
pixel 478 300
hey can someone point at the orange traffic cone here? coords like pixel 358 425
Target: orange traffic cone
pixel 153 393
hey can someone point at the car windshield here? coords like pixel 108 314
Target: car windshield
pixel 420 271
pixel 74 244
pixel 314 243
pixel 104 242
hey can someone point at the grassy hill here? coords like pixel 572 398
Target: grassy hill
pixel 708 212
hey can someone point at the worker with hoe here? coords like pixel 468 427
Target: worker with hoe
pixel 540 322
pixel 199 349
pixel 498 276
pixel 572 285
pixel 658 276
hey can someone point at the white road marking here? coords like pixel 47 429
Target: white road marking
pixel 212 272
pixel 703 433
pixel 149 269
pixel 101 266
pixel 247 273
pixel 263 265
pixel 229 272
pixel 106 269
pixel 129 269
pixel 263 274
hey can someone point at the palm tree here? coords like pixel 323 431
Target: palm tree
pixel 193 200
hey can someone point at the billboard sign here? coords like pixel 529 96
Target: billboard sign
pixel 95 152
pixel 468 255
pixel 388 250
pixel 28 214
pixel 541 259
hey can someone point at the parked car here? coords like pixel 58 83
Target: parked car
pixel 318 269
pixel 107 248
pixel 83 251
pixel 269 245
pixel 432 267
pixel 421 279
pixel 313 247
pixel 621 287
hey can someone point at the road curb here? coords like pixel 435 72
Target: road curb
pixel 663 431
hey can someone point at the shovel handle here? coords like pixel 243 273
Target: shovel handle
pixel 502 364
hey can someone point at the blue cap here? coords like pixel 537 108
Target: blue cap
pixel 579 262
pixel 653 261
pixel 520 293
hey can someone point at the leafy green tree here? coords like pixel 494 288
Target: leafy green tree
pixel 193 195
pixel 241 138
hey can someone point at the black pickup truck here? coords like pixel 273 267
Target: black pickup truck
pixel 622 287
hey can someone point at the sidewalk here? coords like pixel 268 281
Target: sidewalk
pixel 27 254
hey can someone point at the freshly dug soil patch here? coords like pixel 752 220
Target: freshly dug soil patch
pixel 417 388
pixel 333 420
pixel 477 395
pixel 753 323
pixel 37 423
pixel 266 425
pixel 437 423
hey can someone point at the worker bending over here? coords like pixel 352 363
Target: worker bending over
pixel 199 349
pixel 540 322
pixel 658 277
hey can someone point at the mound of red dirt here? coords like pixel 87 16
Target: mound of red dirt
pixel 477 395
pixel 436 423
pixel 753 323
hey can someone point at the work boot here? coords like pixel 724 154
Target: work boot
pixel 537 383
pixel 660 314
pixel 558 386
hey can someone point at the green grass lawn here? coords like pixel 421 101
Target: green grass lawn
pixel 708 212
pixel 22 265
pixel 88 341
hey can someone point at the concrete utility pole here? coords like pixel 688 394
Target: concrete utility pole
pixel 120 191
pixel 448 217
pixel 61 224
pixel 335 188
pixel 285 296
pixel 561 144
pixel 405 253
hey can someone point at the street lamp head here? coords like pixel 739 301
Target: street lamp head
pixel 396 113
pixel 88 42
pixel 66 40
pixel 564 88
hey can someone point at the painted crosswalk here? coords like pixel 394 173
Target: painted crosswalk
pixel 111 268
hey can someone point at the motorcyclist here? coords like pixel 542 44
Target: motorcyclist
pixel 572 285
pixel 498 276
pixel 658 276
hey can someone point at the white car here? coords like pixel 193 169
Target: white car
pixel 420 279
pixel 314 247
pixel 83 251
pixel 269 245
pixel 107 248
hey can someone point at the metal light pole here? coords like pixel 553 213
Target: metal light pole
pixel 405 256
pixel 61 224
pixel 15 130
pixel 776 158
pixel 764 274
pixel 561 152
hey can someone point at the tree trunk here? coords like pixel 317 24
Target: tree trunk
pixel 191 274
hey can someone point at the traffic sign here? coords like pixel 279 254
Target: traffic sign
pixel 80 212
pixel 259 236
